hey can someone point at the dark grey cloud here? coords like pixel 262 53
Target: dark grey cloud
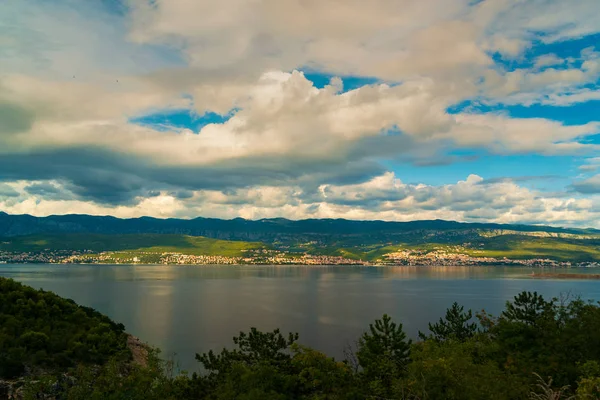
pixel 114 178
pixel 89 174
pixel 14 118
pixel 576 207
pixel 363 198
pixel 153 193
pixel 182 194
pixel 382 146
pixel 43 189
pixel 49 191
pixel 7 191
pixel 588 186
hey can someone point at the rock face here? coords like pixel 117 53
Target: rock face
pixel 139 350
pixel 4 389
pixel 11 390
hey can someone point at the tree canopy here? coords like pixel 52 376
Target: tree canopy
pixel 40 330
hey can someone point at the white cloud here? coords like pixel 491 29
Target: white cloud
pixel 68 38
pixel 502 134
pixel 284 35
pixel 551 20
pixel 384 197
pixel 553 85
pixel 282 114
pixel 393 39
pixel 74 74
pixel 548 60
pixel 569 98
pixel 590 164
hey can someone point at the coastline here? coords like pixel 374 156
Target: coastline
pixel 515 263
pixel 399 258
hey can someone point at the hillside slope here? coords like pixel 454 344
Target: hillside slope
pixel 42 331
pixel 155 243
pixel 351 240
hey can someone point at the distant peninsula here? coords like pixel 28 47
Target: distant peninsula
pixel 109 240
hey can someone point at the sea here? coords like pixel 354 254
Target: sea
pixel 185 309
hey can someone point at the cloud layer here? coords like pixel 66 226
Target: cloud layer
pixel 383 197
pixel 447 74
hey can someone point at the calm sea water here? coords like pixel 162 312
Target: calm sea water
pixel 189 309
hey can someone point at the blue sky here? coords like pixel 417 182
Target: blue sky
pixel 179 119
pixel 456 110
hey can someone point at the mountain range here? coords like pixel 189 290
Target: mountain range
pixel 366 240
pixel 244 229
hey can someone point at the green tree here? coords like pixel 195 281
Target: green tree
pixel 383 353
pixel 114 380
pixel 457 370
pixel 455 325
pixel 254 347
pixel 528 308
pixel 321 377
pixel 42 331
pixel 588 386
pixel 533 335
pixel 262 360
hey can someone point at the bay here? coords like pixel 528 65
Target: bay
pixel 188 309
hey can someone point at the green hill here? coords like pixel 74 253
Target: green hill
pixel 523 247
pixel 367 246
pixel 476 244
pixel 40 331
pixel 131 243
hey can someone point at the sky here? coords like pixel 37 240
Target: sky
pixel 479 111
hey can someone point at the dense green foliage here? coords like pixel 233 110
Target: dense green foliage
pixel 42 331
pixel 383 353
pixel 455 325
pixel 536 348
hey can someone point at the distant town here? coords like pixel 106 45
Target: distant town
pixel 412 257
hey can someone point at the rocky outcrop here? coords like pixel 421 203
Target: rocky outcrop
pixel 139 350
pixel 11 390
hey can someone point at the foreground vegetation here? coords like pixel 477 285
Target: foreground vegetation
pixel 41 332
pixel 536 348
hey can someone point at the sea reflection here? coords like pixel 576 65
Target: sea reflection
pixel 450 272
